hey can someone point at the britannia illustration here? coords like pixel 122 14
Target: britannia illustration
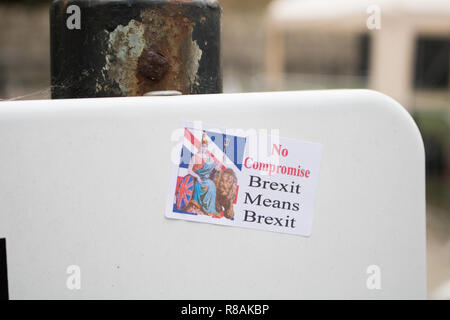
pixel 207 186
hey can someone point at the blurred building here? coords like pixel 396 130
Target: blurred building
pixel 24 50
pixel 397 47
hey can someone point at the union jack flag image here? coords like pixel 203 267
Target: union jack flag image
pixel 207 180
pixel 185 189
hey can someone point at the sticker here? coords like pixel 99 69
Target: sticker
pixel 3 272
pixel 246 179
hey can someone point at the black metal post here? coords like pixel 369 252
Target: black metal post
pixel 105 48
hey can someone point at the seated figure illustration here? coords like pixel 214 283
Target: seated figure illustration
pixel 208 188
pixel 204 169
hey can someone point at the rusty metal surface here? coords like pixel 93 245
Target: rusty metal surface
pixel 128 48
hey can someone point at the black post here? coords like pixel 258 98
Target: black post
pixel 106 48
pixel 4 294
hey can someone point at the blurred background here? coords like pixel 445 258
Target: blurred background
pixel 401 48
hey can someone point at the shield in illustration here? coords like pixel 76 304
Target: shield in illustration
pixel 184 192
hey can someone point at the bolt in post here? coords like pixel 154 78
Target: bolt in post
pixel 110 48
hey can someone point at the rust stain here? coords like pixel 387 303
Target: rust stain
pixel 169 33
pixel 155 54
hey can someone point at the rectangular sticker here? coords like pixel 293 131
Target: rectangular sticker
pixel 246 179
pixel 3 271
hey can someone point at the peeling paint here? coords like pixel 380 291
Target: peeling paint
pixel 125 45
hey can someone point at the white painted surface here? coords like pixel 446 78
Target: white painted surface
pixel 84 182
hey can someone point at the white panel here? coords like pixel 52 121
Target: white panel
pixel 84 182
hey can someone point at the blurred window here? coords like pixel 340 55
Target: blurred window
pixel 432 63
pixel 364 50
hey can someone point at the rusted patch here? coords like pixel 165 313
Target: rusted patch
pixel 157 53
pixel 169 32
